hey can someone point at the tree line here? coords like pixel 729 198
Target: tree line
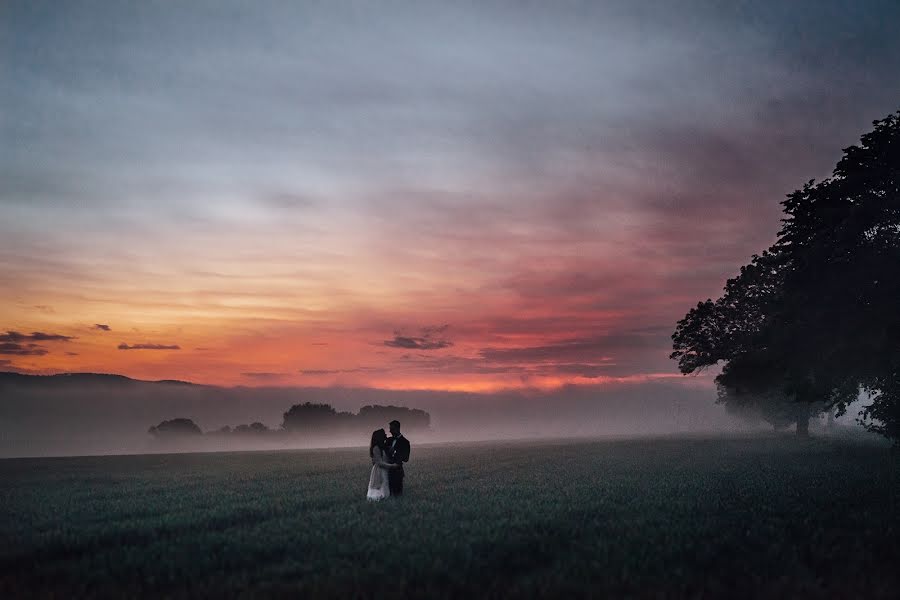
pixel 309 419
pixel 812 323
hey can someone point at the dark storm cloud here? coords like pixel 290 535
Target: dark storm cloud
pixel 124 346
pixel 429 339
pixel 102 327
pixel 22 350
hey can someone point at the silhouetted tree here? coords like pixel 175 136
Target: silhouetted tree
pixel 308 417
pixel 255 428
pixel 845 235
pixel 312 419
pixel 817 312
pixel 175 428
pixel 411 419
pixel 315 420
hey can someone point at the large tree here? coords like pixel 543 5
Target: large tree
pixel 845 292
pixel 814 318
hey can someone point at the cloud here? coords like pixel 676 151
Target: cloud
pixel 582 370
pixel 5 362
pixel 22 350
pixel 314 372
pixel 37 336
pixel 461 364
pixel 124 346
pixel 50 337
pixel 588 350
pixel 262 375
pixel 636 349
pixel 416 343
pixel 71 354
pixel 101 327
pixel 22 344
pixel 429 339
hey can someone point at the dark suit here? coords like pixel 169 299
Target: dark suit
pixel 398 453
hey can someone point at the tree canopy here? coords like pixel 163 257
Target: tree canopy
pixel 308 416
pixel 814 319
pixel 175 428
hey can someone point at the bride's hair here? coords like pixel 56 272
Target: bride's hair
pixel 378 438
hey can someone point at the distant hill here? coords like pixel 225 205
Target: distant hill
pixel 77 378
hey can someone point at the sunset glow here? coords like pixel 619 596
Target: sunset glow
pixel 367 199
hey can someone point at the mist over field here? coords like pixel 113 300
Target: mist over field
pixel 91 414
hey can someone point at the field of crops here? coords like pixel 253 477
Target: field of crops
pixel 675 517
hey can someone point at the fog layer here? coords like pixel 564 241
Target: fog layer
pixel 75 415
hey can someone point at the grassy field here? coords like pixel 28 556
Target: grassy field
pixel 666 517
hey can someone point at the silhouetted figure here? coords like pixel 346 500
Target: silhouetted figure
pixel 397 453
pixel 379 478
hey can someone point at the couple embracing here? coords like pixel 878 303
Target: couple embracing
pixel 388 456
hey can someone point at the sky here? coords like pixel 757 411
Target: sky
pixel 405 195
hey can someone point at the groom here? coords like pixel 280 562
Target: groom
pixel 398 453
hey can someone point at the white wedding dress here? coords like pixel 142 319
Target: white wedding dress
pixel 378 480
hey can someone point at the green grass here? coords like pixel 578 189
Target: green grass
pixel 740 517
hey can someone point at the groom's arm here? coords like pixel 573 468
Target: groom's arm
pixel 402 455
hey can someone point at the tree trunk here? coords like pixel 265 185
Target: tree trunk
pixel 802 419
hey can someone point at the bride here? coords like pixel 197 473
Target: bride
pixel 378 480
